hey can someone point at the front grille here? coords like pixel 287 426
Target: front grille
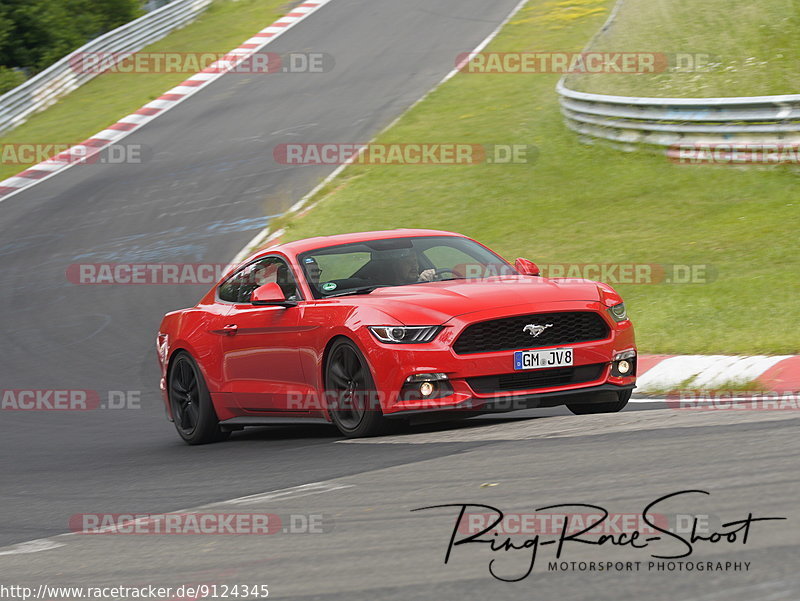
pixel 507 334
pixel 537 378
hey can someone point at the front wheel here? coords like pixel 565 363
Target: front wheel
pixel 192 410
pixel 612 406
pixel 350 389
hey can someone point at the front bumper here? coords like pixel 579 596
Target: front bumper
pixel 593 394
pixel 391 365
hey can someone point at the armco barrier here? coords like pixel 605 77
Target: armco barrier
pixel 661 124
pixel 664 122
pixel 59 79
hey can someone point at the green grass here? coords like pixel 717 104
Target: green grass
pixel 107 98
pixel 583 204
pixel 753 46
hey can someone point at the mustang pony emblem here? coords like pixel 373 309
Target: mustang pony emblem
pixel 535 330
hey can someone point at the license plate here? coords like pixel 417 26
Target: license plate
pixel 556 357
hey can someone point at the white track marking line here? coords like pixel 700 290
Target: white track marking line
pixel 283 494
pixel 295 492
pixel 33 546
pixel 265 236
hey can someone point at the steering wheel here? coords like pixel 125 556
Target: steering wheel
pixel 440 272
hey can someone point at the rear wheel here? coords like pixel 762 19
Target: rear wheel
pixel 350 390
pixel 192 410
pixel 612 406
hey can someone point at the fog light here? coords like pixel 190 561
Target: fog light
pixel 624 364
pixel 420 387
pixel 426 389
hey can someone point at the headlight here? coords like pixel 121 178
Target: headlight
pixel 618 312
pixel 405 334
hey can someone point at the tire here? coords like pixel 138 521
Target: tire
pixel 602 407
pixel 192 410
pixel 350 392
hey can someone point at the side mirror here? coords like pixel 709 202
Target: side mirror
pixel 270 294
pixel 526 267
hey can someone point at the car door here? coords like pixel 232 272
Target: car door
pixel 260 344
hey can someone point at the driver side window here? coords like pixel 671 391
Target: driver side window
pixel 239 287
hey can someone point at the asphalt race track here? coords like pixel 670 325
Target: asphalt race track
pixel 209 185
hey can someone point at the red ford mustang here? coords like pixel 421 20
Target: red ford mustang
pixel 367 329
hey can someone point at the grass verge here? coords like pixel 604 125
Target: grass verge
pixel 102 101
pixel 741 48
pixel 589 204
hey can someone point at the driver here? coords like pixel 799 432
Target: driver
pixel 259 275
pixel 408 269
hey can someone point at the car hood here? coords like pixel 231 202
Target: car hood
pixel 438 302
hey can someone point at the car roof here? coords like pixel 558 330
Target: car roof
pixel 300 246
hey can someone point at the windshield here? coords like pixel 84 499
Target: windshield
pixel 365 266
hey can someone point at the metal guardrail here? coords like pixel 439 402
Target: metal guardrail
pixel 59 79
pixel 663 123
